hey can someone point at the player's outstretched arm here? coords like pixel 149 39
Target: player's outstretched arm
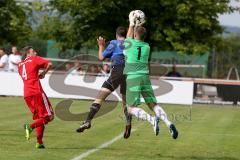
pixel 101 46
pixel 44 72
pixel 130 33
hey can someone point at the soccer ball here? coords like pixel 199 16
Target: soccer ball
pixel 139 15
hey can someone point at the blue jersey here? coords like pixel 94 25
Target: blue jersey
pixel 114 51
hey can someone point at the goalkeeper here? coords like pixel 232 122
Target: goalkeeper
pixel 138 82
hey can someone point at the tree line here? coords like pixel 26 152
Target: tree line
pixel 187 26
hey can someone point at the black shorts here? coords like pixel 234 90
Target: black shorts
pixel 116 78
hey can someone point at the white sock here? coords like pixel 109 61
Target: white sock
pixel 141 114
pixel 162 115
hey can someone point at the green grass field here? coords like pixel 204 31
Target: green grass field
pixel 211 132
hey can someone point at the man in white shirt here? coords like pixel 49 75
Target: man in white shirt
pixel 14 59
pixel 3 60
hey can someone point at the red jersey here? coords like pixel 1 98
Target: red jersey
pixel 29 70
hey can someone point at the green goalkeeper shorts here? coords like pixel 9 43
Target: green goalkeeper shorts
pixel 138 85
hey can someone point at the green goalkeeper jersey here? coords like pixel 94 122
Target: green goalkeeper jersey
pixel 136 57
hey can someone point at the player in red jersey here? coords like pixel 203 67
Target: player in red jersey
pixel 34 95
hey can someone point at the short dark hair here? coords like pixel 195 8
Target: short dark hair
pixel 121 31
pixel 24 51
pixel 141 32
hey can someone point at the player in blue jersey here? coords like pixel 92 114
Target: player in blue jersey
pixel 114 51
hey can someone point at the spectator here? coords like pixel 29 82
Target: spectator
pixel 77 69
pixel 174 72
pixel 99 69
pixel 3 60
pixel 93 69
pixel 105 70
pixel 14 59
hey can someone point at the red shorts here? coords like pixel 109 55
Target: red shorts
pixel 39 105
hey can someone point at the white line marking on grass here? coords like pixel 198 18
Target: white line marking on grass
pixel 104 145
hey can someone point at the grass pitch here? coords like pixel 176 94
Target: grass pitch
pixel 206 132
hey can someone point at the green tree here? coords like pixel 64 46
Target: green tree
pixel 13 27
pixel 182 25
pixel 43 20
pixel 39 16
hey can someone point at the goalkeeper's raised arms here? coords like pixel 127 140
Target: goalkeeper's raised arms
pixel 136 18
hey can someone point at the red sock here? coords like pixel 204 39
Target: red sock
pixel 39 122
pixel 39 133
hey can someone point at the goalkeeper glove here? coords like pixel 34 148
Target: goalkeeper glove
pixel 140 22
pixel 131 19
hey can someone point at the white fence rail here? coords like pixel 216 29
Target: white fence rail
pixel 168 91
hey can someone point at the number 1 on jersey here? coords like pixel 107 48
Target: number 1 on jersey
pixel 24 72
pixel 139 52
